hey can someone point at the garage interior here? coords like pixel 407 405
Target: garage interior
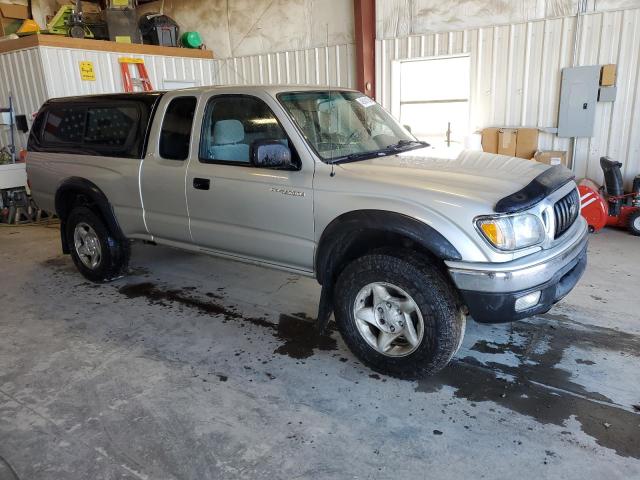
pixel 193 366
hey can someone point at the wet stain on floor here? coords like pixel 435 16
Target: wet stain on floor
pixel 60 261
pixel 138 271
pixel 538 388
pixel 301 338
pixel 158 296
pixel 6 471
pixel 60 265
pixel 484 346
pixel 298 332
pixel 580 361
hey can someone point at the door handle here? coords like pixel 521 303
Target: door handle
pixel 201 183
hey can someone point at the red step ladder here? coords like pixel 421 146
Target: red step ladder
pixel 143 77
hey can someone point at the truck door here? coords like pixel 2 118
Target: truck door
pixel 164 169
pixel 242 210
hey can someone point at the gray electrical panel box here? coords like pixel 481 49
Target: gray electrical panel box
pixel 578 99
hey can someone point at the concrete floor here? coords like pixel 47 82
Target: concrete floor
pixel 198 368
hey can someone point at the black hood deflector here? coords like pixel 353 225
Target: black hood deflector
pixel 540 187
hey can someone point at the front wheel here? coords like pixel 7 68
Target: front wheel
pixel 399 314
pixel 96 252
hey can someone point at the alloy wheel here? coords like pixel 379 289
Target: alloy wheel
pixel 388 319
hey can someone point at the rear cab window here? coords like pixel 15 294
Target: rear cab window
pixel 98 130
pixel 108 126
pixel 64 125
pixel 111 126
pixel 175 135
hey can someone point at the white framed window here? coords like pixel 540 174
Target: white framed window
pixel 432 97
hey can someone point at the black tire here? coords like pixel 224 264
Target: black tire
pixel 115 251
pixel 634 223
pixel 435 297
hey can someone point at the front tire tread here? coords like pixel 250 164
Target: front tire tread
pixel 432 291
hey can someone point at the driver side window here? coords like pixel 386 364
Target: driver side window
pixel 230 126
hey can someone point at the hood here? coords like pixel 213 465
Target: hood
pixel 476 176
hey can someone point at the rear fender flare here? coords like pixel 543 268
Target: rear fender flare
pixel 96 197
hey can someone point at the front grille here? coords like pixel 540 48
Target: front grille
pixel 566 210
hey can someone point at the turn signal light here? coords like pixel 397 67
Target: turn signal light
pixel 512 232
pixel 493 233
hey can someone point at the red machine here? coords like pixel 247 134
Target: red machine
pixel 609 205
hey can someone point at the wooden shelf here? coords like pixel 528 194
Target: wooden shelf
pixel 40 40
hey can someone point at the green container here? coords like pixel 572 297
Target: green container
pixel 191 40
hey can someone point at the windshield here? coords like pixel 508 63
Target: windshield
pixel 346 125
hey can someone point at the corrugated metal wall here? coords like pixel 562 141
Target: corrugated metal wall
pixel 515 78
pixel 22 76
pixel 397 18
pixel 61 67
pixel 334 65
pixel 37 74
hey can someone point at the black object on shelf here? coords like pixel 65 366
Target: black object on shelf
pixel 122 24
pixel 21 123
pixel 99 29
pixel 159 29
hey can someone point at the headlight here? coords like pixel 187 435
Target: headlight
pixel 512 233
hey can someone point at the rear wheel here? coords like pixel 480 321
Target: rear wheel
pixel 399 314
pixel 96 252
pixel 634 223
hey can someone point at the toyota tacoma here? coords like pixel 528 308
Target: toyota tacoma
pixel 323 183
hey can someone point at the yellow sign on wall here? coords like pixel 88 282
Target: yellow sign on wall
pixel 87 73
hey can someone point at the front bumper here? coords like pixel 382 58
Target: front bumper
pixel 490 290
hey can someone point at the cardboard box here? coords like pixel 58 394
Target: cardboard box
pixel 551 157
pixel 520 142
pixel 608 75
pixel 507 141
pixel 527 142
pixel 11 17
pixel 490 140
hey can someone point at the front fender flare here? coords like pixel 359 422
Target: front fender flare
pixel 340 234
pixel 339 238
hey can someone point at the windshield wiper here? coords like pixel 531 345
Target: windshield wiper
pixel 401 146
pixel 354 157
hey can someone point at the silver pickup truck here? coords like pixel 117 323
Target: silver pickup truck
pixel 323 183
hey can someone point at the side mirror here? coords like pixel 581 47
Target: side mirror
pixel 407 128
pixel 271 154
